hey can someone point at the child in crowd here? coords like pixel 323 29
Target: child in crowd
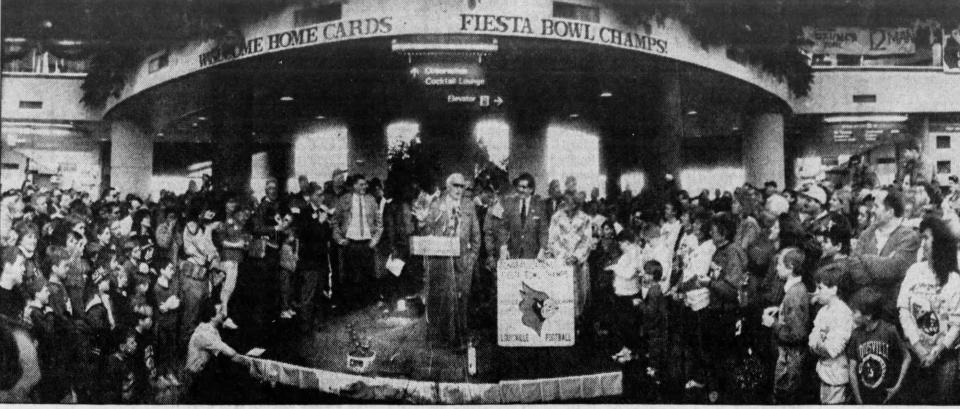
pixel 626 287
pixel 879 357
pixel 289 257
pixel 166 292
pixel 831 331
pixel 790 324
pixel 120 379
pixel 59 267
pixel 144 357
pixel 835 243
pixel 139 257
pixel 11 277
pixel 653 313
pixel 53 352
pixel 141 290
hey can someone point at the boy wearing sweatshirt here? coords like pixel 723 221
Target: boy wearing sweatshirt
pixel 831 332
pixel 790 324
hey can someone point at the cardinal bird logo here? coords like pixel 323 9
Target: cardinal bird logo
pixel 536 307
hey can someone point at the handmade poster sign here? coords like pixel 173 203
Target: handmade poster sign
pixel 435 246
pixel 534 303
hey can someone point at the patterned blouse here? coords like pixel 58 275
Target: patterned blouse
pixel 571 236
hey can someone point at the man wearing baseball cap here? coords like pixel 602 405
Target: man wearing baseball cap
pixel 812 206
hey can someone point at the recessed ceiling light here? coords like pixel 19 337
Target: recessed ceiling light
pixel 202 118
pixel 865 118
pixel 574 115
pixel 160 134
pixel 606 94
pixel 321 117
pixel 692 112
pixel 286 98
pixel 195 124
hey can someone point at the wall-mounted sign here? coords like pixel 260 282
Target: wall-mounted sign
pixel 561 28
pixel 333 31
pixel 944 127
pixel 861 41
pixel 468 99
pixel 449 75
pixel 866 132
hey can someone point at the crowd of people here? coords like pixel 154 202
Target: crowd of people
pixel 837 292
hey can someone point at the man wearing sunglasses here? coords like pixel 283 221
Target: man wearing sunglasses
pixel 448 280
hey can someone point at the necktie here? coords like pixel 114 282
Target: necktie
pixel 456 219
pixel 360 206
pixel 523 213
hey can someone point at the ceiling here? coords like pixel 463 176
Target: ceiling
pixel 365 79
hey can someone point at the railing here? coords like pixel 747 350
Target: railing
pixel 45 63
pixel 926 58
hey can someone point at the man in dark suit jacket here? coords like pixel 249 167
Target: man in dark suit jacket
pixel 357 229
pixel 885 250
pixel 314 265
pixel 524 227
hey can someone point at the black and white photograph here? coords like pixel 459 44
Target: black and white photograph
pixel 480 202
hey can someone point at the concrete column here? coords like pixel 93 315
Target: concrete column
pixel 928 149
pixel 367 146
pixel 668 138
pixel 231 158
pixel 763 156
pixel 131 158
pixel 528 148
pixel 231 134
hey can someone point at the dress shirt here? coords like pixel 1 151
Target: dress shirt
pixel 358 229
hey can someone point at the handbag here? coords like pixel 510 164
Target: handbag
pixel 258 247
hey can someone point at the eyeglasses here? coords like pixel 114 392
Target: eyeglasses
pixel 458 185
pixel 523 186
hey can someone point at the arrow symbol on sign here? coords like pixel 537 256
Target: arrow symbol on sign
pixel 414 72
pixel 498 101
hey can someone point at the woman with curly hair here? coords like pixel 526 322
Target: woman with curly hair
pixel 929 308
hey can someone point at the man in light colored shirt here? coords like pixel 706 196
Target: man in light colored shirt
pixel 205 343
pixel 357 228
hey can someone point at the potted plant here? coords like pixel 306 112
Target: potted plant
pixel 361 356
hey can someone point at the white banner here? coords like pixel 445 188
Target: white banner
pixel 428 392
pixel 861 41
pixel 535 303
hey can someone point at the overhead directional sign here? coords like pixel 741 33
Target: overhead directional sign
pixel 449 74
pixel 473 98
